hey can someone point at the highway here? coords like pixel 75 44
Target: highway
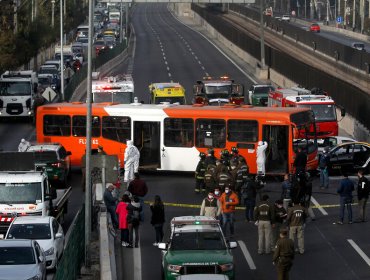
pixel 167 50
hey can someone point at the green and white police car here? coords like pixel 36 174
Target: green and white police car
pixel 196 246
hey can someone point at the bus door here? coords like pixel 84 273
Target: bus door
pixel 277 137
pixel 147 140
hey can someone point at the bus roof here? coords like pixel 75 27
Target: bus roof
pixel 272 114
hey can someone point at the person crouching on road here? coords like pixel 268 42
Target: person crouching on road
pixel 283 255
pixel 229 200
pixel 122 219
pixel 133 219
pixel 211 206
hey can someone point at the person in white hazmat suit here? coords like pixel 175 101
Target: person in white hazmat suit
pixel 131 159
pixel 23 145
pixel 261 157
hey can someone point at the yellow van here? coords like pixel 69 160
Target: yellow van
pixel 167 92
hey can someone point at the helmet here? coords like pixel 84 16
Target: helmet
pixel 225 152
pixel 234 150
pixel 202 155
pixel 211 151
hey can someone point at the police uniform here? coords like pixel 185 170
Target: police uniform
pixel 263 214
pixel 296 219
pixel 283 257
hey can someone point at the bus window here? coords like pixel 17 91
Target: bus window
pixel 178 132
pixel 57 125
pixel 79 126
pixel 116 128
pixel 211 133
pixel 242 131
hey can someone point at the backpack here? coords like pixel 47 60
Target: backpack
pixel 136 217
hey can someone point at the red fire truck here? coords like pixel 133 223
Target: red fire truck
pixel 217 91
pixel 323 107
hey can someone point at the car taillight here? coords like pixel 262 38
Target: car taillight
pixel 57 164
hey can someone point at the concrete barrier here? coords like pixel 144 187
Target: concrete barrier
pixel 107 254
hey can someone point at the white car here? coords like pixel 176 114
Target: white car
pixel 285 18
pixel 333 141
pixel 45 230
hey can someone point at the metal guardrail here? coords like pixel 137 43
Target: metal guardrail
pixel 74 251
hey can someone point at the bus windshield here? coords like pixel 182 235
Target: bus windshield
pixel 18 193
pixel 117 97
pixel 15 88
pixel 323 112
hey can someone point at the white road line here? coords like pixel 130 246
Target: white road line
pixel 322 210
pixel 247 255
pixel 137 264
pixel 359 251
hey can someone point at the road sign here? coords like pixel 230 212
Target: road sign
pixel 49 94
pixel 339 19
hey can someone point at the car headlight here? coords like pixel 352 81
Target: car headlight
pixel 34 278
pixel 174 268
pixel 227 267
pixel 49 252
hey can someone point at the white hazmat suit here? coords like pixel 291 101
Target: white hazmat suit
pixel 131 158
pixel 261 157
pixel 23 146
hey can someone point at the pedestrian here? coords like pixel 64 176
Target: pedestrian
pixel 283 255
pixel 133 220
pixel 210 158
pixel 296 219
pixel 199 174
pixel 138 187
pixel 122 213
pixel 210 178
pixel 211 206
pixel 264 217
pixel 131 161
pixel 286 192
pixel 23 145
pixel 248 194
pixel 345 190
pixel 363 189
pixel 229 200
pixel 300 162
pixel 158 219
pixel 280 214
pixel 261 157
pixel 110 203
pixel 324 160
pixel 101 150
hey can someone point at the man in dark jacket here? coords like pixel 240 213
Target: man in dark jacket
pixel 133 220
pixel 300 162
pixel 296 220
pixel 248 194
pixel 110 203
pixel 345 190
pixel 280 216
pixel 138 188
pixel 363 189
pixel 283 255
pixel 264 216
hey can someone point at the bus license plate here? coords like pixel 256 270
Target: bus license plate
pixel 14 111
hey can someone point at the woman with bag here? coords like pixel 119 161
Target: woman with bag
pixel 158 219
pixel 122 213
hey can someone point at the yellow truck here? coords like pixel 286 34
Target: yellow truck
pixel 167 92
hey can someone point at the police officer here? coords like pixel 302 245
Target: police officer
pixel 296 220
pixel 199 174
pixel 283 255
pixel 264 217
pixel 211 159
pixel 280 216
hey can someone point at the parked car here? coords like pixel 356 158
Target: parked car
pixel 333 141
pixel 358 45
pixel 22 259
pixel 45 230
pixel 349 157
pixel 55 159
pixel 258 94
pixel 314 27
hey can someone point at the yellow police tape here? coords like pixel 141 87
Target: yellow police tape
pixel 184 205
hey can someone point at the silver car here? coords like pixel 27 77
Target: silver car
pixel 21 259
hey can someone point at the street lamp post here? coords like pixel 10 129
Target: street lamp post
pixel 61 53
pixel 262 36
pixel 121 24
pixel 52 12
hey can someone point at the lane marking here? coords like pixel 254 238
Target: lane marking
pixel 137 263
pixel 359 251
pixel 318 206
pixel 247 255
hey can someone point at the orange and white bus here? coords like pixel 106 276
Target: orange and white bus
pixel 170 137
